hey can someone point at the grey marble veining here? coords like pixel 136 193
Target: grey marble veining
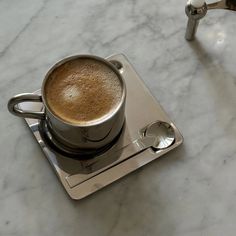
pixel 189 192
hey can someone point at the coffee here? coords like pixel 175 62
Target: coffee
pixel 83 90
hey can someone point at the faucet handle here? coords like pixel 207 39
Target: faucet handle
pixel 223 4
pixel 196 13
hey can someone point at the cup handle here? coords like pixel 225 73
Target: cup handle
pixel 25 97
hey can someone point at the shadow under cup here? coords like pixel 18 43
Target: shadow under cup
pixel 85 134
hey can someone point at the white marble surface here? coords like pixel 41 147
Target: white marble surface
pixel 189 192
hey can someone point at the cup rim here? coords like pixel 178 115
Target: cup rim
pixel 85 56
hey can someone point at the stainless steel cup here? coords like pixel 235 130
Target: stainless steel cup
pixel 89 136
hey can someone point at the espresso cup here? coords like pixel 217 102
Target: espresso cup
pixel 83 99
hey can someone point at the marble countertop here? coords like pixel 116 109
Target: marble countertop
pixel 189 192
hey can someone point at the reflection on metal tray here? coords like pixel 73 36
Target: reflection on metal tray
pixel 83 177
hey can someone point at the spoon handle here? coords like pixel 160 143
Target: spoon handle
pixel 128 151
pixel 125 153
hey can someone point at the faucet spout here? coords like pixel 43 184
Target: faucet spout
pixel 195 14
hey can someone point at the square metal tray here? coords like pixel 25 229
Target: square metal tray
pixel 141 109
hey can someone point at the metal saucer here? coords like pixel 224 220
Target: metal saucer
pixel 85 176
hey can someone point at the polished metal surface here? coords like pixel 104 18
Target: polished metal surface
pixel 195 14
pixel 83 177
pixel 25 97
pixel 93 134
pixel 158 135
pixel 57 146
pixel 224 4
pixel 163 134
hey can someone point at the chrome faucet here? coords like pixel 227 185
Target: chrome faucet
pixel 197 9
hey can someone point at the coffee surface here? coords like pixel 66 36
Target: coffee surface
pixel 83 90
